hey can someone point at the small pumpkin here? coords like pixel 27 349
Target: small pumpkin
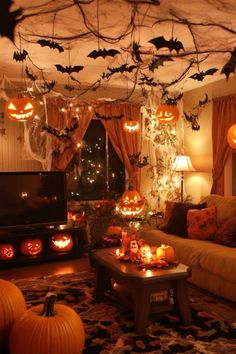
pixel 12 306
pixel 48 329
pixel 131 126
pixel 6 251
pixel 167 114
pixel 231 136
pixel 31 247
pixel 62 242
pixel 20 108
pixel 166 253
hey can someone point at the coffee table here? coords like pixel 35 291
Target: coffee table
pixel 141 283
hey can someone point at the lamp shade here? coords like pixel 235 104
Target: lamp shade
pixel 183 163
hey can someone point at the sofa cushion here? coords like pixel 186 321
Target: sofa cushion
pixel 226 206
pixel 226 234
pixel 176 220
pixel 201 224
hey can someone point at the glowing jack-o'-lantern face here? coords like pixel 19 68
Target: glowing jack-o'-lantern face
pixel 131 126
pixel 131 204
pixel 31 247
pixel 167 114
pixel 20 109
pixel 231 136
pixel 6 251
pixel 62 242
pixel 134 248
pixel 146 253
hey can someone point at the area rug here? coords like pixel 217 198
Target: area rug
pixel 109 327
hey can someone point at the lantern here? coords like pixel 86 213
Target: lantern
pixel 31 247
pixel 231 136
pixel 166 253
pixel 7 251
pixel 131 126
pixel 167 114
pixel 48 329
pixel 20 109
pixel 62 242
pixel 131 204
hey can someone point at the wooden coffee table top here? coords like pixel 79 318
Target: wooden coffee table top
pixel 106 257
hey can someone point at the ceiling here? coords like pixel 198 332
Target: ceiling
pixel 198 35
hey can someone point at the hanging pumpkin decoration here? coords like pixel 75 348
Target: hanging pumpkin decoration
pixel 62 242
pixel 6 251
pixel 131 204
pixel 48 329
pixel 165 253
pixel 231 136
pixel 167 114
pixel 12 306
pixel 131 126
pixel 20 109
pixel 31 247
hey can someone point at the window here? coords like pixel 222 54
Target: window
pixel 96 171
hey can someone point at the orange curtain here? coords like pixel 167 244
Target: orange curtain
pixel 224 115
pixel 125 144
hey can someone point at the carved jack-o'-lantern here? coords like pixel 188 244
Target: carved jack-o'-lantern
pixel 131 126
pixel 31 247
pixel 131 204
pixel 231 136
pixel 20 109
pixel 62 242
pixel 167 114
pixel 166 253
pixel 7 251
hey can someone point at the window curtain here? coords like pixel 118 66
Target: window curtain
pixel 224 115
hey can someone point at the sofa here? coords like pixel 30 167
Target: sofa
pixel 212 259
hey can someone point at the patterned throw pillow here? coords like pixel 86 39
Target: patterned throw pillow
pixel 202 224
pixel 176 220
pixel 226 234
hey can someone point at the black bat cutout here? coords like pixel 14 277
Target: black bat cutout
pixel 20 56
pixel 49 85
pixel 103 53
pixel 145 80
pixel 201 75
pixel 193 119
pixel 9 19
pixel 136 53
pixel 123 68
pixel 230 66
pixel 51 44
pixel 69 69
pixel 106 118
pixel 172 44
pixel 30 76
pixel 158 61
pixel 173 101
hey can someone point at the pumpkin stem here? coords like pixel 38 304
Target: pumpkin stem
pixel 48 306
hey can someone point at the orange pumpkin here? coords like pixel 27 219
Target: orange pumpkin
pixel 20 109
pixel 7 251
pixel 31 247
pixel 62 242
pixel 131 204
pixel 131 126
pixel 12 306
pixel 231 136
pixel 166 253
pixel 167 114
pixel 48 329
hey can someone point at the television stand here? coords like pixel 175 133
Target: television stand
pixel 21 247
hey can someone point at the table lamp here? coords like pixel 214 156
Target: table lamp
pixel 181 164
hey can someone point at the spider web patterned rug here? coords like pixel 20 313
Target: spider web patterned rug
pixel 109 327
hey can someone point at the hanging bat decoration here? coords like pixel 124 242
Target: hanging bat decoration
pixel 9 19
pixel 136 53
pixel 51 44
pixel 48 86
pixel 69 88
pixel 193 119
pixel 103 53
pixel 120 69
pixel 136 161
pixel 158 61
pixel 201 75
pixel 69 69
pixel 230 66
pixel 172 44
pixel 173 100
pixel 149 81
pixel 61 134
pixel 106 118
pixel 30 75
pixel 20 56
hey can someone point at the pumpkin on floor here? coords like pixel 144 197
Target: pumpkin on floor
pixel 12 306
pixel 48 329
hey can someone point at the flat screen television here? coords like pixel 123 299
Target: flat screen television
pixel 32 199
